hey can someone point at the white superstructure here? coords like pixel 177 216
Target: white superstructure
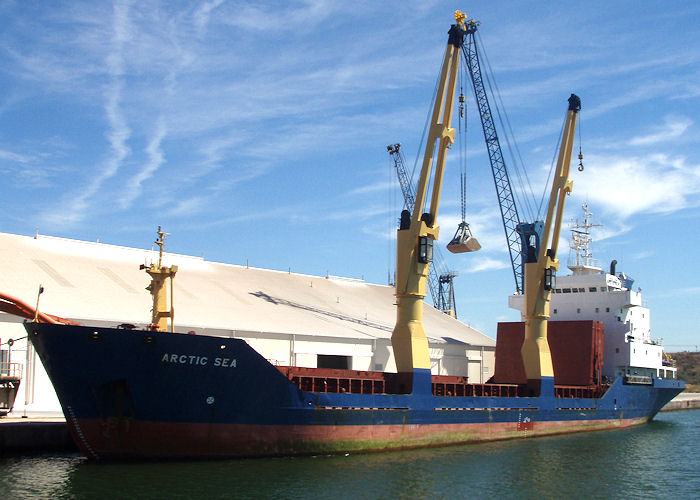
pixel 591 293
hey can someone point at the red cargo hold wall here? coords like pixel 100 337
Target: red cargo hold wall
pixel 577 352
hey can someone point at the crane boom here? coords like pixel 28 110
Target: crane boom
pixel 418 231
pixel 440 280
pixel 542 264
pixel 506 200
pixel 409 197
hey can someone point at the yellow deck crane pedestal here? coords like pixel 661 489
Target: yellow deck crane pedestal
pixel 418 231
pixel 541 266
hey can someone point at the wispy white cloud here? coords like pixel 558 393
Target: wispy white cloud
pixel 672 128
pixel 188 207
pixel 214 99
pixel 625 186
pixel 689 90
pixel 258 217
pixel 74 207
pixel 379 186
pixel 134 185
pixel 486 264
pixel 294 85
pixel 357 214
pixel 299 17
pixel 643 255
pixel 202 14
pixel 17 157
pixel 615 100
pixel 119 132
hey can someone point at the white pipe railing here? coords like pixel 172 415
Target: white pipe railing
pixel 11 369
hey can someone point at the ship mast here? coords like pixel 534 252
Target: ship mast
pixel 580 256
pixel 159 273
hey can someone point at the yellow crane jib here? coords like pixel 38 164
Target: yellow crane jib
pixel 159 274
pixel 541 266
pixel 418 231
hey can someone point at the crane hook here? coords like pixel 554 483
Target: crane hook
pixel 580 160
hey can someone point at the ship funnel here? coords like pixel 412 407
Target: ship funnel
pixel 612 267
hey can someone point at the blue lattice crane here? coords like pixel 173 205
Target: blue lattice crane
pixel 440 279
pixel 516 233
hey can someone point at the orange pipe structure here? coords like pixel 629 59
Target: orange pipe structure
pixel 17 307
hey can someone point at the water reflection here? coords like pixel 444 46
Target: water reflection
pixel 638 462
pixel 37 476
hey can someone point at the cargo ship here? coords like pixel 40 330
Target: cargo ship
pixel 145 394
pixel 153 393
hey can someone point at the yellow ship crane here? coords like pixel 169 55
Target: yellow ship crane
pixel 418 231
pixel 541 266
pixel 159 274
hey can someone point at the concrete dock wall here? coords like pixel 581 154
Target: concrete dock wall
pixel 27 435
pixel 684 401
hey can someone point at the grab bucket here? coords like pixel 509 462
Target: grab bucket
pixel 463 240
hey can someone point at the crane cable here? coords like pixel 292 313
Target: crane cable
pixel 551 170
pixel 580 143
pixel 524 200
pixel 422 144
pixel 552 164
pixel 462 148
pixel 439 265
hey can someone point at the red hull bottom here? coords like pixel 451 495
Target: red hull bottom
pixel 129 439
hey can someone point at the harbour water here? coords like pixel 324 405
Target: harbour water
pixel 657 460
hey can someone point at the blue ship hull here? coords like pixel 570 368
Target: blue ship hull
pixel 144 394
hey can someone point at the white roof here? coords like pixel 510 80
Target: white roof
pixel 95 282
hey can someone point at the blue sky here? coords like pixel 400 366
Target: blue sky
pixel 257 132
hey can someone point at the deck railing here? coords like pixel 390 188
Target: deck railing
pixel 369 382
pixel 11 369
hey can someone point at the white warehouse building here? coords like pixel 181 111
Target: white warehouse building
pixel 291 319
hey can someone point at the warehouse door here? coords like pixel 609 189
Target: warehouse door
pixel 333 361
